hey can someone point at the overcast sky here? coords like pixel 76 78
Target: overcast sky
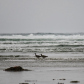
pixel 30 16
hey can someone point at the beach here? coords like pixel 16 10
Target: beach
pixel 43 76
pixel 64 64
pixel 51 70
pixel 41 42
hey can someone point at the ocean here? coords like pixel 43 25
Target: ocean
pixel 42 43
pixel 65 59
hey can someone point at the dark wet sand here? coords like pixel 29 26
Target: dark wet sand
pixel 48 71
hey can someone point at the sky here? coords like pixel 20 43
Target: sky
pixel 48 16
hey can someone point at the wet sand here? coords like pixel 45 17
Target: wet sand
pixel 43 75
pixel 44 71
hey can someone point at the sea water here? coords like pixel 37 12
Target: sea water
pixel 65 59
pixel 42 43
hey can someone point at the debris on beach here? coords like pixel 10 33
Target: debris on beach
pixel 23 83
pixel 62 79
pixel 16 68
pixel 53 79
pixel 60 83
pixel 74 81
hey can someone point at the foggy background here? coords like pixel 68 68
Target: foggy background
pixel 31 16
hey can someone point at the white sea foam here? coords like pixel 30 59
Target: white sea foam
pixel 42 43
pixel 31 36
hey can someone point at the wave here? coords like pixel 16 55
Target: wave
pixel 24 48
pixel 42 42
pixel 41 36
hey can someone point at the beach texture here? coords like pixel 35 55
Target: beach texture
pixel 64 63
pixel 43 71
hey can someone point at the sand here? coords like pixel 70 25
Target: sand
pixel 43 75
pixel 43 71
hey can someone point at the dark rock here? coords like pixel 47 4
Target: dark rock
pixel 16 68
pixel 74 81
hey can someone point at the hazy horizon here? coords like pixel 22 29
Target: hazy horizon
pixel 41 32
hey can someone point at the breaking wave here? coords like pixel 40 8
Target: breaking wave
pixel 42 42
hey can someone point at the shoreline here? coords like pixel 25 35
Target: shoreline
pixel 42 63
pixel 57 58
pixel 51 70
